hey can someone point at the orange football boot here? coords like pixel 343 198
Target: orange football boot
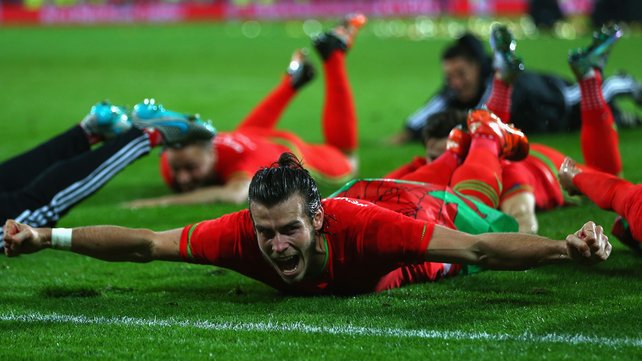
pixel 513 144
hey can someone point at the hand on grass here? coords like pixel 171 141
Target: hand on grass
pixel 589 244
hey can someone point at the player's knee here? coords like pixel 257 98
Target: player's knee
pixel 521 206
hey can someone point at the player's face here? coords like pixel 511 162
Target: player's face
pixel 287 238
pixel 435 147
pixel 193 166
pixel 463 77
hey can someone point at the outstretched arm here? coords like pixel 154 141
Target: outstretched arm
pixel 109 243
pixel 234 191
pixel 517 250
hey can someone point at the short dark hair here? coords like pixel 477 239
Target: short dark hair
pixel 468 46
pixel 439 125
pixel 283 179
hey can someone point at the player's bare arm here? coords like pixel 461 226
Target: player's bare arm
pixel 109 243
pixel 518 250
pixel 234 191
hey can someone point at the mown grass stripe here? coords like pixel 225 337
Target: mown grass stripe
pixel 346 330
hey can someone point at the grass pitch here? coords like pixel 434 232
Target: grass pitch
pixel 57 305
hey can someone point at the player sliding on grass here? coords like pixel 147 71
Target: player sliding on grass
pixel 541 102
pixel 293 241
pixel 517 188
pixel 43 184
pixel 221 171
pixel 40 186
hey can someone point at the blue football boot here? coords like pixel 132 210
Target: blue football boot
pixel 106 120
pixel 177 129
pixel 505 62
pixel 596 54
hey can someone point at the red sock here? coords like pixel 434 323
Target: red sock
pixel 607 191
pixel 339 117
pixel 479 176
pixel 599 138
pixel 267 113
pixel 500 99
pixel 437 172
pixel 612 193
pixel 155 136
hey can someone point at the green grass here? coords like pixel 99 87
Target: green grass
pixel 51 76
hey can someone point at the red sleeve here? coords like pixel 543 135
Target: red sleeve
pixel 380 235
pixel 406 168
pixel 224 241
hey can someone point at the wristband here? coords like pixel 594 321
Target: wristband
pixel 61 238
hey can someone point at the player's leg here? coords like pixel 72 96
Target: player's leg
pixel 599 138
pixel 268 112
pixel 507 68
pixel 50 195
pixel 339 116
pixel 21 169
pixel 441 169
pixel 608 192
pixel 104 121
pixel 44 199
pixel 605 190
pixel 480 174
pixel 613 87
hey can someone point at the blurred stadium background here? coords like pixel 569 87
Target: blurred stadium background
pixel 556 15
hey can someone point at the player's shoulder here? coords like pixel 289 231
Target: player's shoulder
pixel 345 203
pixel 350 211
pixel 227 221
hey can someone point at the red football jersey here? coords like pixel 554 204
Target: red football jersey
pixel 365 242
pixel 246 151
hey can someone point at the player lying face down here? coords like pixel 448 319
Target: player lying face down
pixel 293 241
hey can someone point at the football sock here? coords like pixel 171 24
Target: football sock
pixel 605 190
pixel 154 135
pixel 500 99
pixel 599 138
pixel 267 113
pixel 438 171
pixel 479 176
pixel 339 117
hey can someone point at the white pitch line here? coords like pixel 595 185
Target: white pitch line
pixel 334 330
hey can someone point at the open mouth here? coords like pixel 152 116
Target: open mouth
pixel 288 265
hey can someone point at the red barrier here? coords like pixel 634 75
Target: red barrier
pixel 221 10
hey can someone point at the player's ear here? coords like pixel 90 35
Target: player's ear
pixel 317 219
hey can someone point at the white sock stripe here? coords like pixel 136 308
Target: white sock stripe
pixel 347 330
pixel 418 119
pixel 572 94
pixel 611 87
pixel 124 155
pixel 97 180
pixel 614 86
pixel 41 215
pixel 78 190
pixel 120 159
